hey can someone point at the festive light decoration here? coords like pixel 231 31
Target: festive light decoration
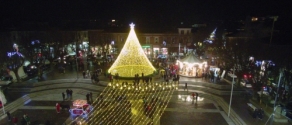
pixel 132 59
pixel 191 66
pixel 123 106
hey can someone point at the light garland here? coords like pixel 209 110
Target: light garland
pixel 132 59
pixel 123 106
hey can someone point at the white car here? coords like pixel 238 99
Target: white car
pixel 245 83
pixel 5 80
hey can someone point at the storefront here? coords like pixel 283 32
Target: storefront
pixel 147 51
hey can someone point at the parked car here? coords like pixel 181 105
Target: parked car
pixel 5 80
pixel 245 83
pixel 31 70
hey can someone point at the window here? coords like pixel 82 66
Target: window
pixel 156 39
pixel 147 40
pixel 182 32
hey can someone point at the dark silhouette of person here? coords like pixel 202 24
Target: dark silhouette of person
pixel 90 97
pixel 63 95
pixel 8 115
pixel 186 86
pixel 87 97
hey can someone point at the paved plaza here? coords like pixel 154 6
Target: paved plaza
pixel 38 99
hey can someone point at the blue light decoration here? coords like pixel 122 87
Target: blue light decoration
pixel 35 42
pixel 258 63
pixel 267 63
pixel 211 38
pixel 9 54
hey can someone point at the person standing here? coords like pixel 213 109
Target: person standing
pixel 186 87
pixel 23 120
pixel 14 120
pixel 90 96
pixel 8 115
pixel 88 73
pixel 87 97
pixel 193 95
pixel 71 93
pixel 58 107
pixel 63 95
pixel 68 94
pixel 197 95
pixel 83 73
pixel 27 119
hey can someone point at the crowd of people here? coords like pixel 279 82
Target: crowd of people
pixel 25 120
pixel 93 75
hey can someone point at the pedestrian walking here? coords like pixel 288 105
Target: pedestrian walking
pixel 193 95
pixel 8 115
pixel 58 107
pixel 63 95
pixel 14 120
pixel 186 87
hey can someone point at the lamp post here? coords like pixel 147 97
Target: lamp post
pixel 178 51
pixel 272 117
pixel 76 60
pixel 275 18
pixel 231 92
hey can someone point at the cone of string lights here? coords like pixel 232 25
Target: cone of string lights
pixel 132 59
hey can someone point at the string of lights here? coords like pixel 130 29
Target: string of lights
pixel 130 104
pixel 132 59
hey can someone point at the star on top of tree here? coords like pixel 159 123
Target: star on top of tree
pixel 132 25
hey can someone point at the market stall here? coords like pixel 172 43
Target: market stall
pixel 191 66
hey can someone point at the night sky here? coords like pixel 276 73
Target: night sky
pixel 159 10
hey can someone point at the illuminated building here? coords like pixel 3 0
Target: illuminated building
pixel 191 66
pixel 132 59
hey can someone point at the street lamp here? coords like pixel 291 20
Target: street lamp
pixel 178 51
pixel 231 91
pixel 272 115
pixel 275 18
pixel 76 60
pixel 275 107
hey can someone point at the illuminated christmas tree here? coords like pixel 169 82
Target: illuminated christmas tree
pixel 132 59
